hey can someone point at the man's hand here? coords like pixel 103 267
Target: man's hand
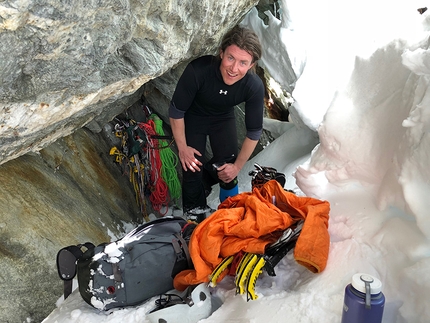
pixel 188 159
pixel 228 172
pixel 187 155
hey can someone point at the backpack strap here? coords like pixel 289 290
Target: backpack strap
pixel 184 246
pixel 183 258
pixel 66 264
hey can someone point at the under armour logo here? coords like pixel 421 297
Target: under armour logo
pixel 223 92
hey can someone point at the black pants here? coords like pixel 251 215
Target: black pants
pixel 223 141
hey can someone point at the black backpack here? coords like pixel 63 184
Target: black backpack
pixel 130 270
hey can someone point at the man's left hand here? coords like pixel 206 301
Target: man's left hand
pixel 228 172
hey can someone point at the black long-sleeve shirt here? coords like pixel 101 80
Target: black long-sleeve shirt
pixel 201 91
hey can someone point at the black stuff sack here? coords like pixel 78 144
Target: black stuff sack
pixel 134 268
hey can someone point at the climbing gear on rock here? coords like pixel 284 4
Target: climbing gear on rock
pixel 169 159
pixel 146 157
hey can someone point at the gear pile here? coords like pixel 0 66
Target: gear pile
pixel 262 174
pixel 146 157
pixel 252 265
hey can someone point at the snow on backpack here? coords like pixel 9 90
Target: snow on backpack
pixel 130 270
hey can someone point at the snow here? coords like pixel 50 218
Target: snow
pixel 363 85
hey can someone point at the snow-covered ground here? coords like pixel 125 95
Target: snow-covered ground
pixel 364 75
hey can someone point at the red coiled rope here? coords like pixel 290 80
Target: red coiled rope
pixel 159 190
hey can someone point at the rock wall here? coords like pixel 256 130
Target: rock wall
pixel 68 193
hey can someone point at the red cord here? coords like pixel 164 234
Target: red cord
pixel 159 190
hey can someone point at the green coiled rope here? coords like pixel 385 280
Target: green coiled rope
pixel 169 161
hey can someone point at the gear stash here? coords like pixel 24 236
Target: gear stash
pixel 146 157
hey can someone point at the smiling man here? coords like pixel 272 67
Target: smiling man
pixel 203 106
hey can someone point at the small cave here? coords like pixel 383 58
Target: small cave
pixel 276 100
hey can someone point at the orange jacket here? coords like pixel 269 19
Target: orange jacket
pixel 249 222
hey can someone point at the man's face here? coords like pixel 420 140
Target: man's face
pixel 235 63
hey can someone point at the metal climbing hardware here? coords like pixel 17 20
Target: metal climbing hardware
pixel 240 272
pixel 252 265
pixel 119 156
pixel 223 265
pixel 244 270
pixel 253 275
pixel 262 174
pixel 146 157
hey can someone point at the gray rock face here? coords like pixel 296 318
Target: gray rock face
pixel 65 64
pixel 68 193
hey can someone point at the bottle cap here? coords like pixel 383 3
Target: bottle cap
pixel 359 283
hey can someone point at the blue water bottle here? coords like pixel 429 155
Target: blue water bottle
pixel 363 302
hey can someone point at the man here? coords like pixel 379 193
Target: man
pixel 203 105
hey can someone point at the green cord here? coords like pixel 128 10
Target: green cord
pixel 169 161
